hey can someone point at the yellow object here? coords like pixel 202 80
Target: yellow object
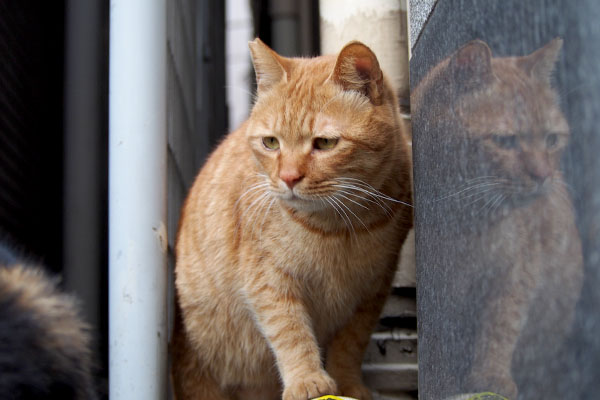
pixel 487 396
pixel 332 397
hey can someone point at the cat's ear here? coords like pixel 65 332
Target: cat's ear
pixel 269 66
pixel 471 66
pixel 357 69
pixel 540 63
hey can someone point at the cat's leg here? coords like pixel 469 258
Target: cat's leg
pixel 258 393
pixel 189 379
pixel 500 327
pixel 285 323
pixel 346 351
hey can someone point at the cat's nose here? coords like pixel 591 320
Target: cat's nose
pixel 291 177
pixel 538 167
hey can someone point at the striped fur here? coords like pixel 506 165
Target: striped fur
pixel 277 293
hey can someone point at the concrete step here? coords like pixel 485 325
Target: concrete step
pixel 391 377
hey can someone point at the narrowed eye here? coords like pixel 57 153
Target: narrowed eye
pixel 271 142
pixel 506 141
pixel 551 140
pixel 324 143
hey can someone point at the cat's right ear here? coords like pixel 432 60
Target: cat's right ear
pixel 471 66
pixel 357 68
pixel 270 67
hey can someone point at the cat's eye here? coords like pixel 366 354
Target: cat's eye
pixel 551 140
pixel 324 143
pixel 506 141
pixel 271 142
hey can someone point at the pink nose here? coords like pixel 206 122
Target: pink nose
pixel 538 167
pixel 290 177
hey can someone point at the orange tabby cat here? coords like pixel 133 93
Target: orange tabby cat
pixel 289 237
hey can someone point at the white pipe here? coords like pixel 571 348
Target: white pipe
pixel 137 204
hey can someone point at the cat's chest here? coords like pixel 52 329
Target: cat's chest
pixel 335 275
pixel 339 260
pixel 524 238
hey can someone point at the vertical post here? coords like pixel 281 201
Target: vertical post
pixel 137 200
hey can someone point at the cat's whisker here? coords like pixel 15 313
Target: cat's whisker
pixel 364 184
pixel 496 205
pixel 484 177
pixel 351 212
pixel 372 190
pixel 473 187
pixel 338 203
pixel 368 192
pixel 492 200
pixel 261 195
pixel 252 188
pixel 488 178
pixel 481 196
pixel 384 206
pixel 338 211
pixel 377 203
pixel 565 93
pixel 486 190
pixel 352 201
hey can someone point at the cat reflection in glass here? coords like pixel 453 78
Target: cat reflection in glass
pixel 505 267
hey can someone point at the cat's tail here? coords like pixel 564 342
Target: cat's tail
pixel 44 345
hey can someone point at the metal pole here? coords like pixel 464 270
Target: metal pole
pixel 137 200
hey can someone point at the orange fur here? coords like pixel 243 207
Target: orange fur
pixel 271 283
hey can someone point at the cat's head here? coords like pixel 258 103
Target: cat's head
pixel 322 129
pixel 512 112
pixel 494 121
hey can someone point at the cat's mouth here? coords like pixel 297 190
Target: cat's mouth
pixel 534 189
pixel 294 197
pixel 300 201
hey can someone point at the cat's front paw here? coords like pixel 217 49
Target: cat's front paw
pixel 310 386
pixel 356 391
pixel 502 384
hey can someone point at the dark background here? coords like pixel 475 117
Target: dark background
pixel 31 122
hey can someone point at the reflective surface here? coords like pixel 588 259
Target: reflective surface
pixel 506 192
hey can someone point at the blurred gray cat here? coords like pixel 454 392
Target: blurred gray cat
pixel 44 344
pixel 508 270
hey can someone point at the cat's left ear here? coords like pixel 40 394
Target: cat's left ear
pixel 541 62
pixel 357 69
pixel 269 66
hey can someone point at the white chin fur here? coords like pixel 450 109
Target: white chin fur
pixel 301 203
